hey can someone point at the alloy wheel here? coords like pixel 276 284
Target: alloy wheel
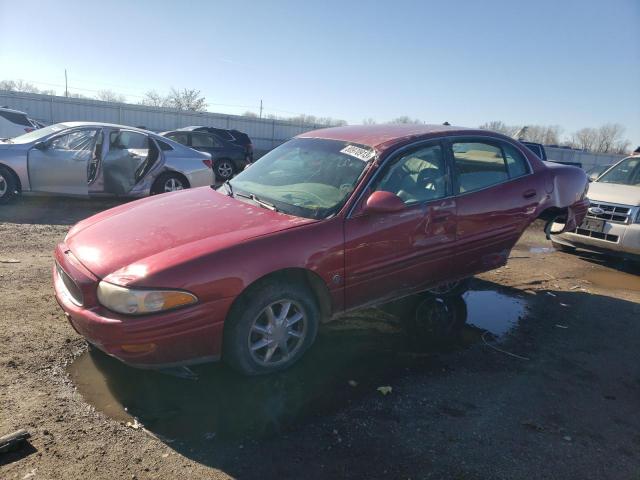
pixel 277 333
pixel 224 170
pixel 4 186
pixel 173 184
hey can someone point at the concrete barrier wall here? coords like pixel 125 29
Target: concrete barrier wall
pixel 265 134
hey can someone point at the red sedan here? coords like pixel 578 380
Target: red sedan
pixel 330 221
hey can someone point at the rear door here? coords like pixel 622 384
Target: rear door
pixel 391 254
pixel 60 164
pixel 496 196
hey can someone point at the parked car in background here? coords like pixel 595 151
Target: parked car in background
pixel 330 221
pixel 594 172
pixel 536 148
pixel 612 224
pixel 231 150
pixel 15 122
pixel 95 159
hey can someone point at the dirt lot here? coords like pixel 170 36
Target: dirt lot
pixel 563 402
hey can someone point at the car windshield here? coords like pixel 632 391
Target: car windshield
pixel 627 172
pixel 38 134
pixel 306 177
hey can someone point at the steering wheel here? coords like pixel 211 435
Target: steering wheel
pixel 428 176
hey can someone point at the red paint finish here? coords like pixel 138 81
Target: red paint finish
pixel 216 246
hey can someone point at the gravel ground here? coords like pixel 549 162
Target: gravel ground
pixel 561 403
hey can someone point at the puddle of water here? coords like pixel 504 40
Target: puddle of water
pixel 492 311
pixel 370 347
pixel 615 280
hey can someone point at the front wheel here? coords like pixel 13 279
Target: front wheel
pixel 451 289
pixel 8 185
pixel 270 329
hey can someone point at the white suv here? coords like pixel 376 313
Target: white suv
pixel 15 122
pixel 612 224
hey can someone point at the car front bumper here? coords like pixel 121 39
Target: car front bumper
pixel 617 238
pixel 179 337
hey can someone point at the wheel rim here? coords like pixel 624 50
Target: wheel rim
pixel 277 333
pixel 444 288
pixel 225 170
pixel 172 184
pixel 3 186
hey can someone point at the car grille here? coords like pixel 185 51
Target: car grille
pixel 71 288
pixel 598 235
pixel 612 212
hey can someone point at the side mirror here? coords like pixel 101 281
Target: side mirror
pixel 383 202
pixel 41 145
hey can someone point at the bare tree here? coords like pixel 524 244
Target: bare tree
pixel 154 99
pixel 110 96
pixel 187 99
pixel 250 114
pixel 405 119
pixel 584 139
pixel 22 86
pixel 368 121
pixel 608 137
pixel 500 127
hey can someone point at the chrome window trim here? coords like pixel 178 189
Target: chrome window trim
pixel 444 138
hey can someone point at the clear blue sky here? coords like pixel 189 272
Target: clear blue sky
pixel 572 63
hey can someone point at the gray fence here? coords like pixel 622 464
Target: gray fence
pixel 587 159
pixel 265 134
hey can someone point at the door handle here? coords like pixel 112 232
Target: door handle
pixel 529 193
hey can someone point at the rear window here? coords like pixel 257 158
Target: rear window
pixel 182 138
pixel 17 118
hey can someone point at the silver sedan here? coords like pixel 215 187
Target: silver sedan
pixel 98 159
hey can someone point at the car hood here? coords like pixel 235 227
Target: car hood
pixel 614 193
pixel 145 236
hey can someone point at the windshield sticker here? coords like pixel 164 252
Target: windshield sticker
pixel 363 154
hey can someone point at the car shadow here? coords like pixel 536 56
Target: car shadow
pixel 52 210
pixel 618 263
pixel 231 422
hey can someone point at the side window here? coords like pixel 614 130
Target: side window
pixel 516 163
pixel 417 177
pixel 126 140
pixel 199 140
pixel 78 140
pixel 182 138
pixel 478 165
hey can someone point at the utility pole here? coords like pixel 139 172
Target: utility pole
pixel 260 108
pixel 66 86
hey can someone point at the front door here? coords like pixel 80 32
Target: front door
pixel 391 254
pixel 60 164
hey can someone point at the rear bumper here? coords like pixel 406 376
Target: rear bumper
pixel 180 337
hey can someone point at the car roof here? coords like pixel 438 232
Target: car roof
pixel 7 109
pixel 382 137
pixel 100 124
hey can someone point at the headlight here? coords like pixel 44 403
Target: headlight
pixel 138 302
pixel 638 217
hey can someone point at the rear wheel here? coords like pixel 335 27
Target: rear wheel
pixel 224 169
pixel 169 182
pixel 270 328
pixel 8 185
pixel 451 289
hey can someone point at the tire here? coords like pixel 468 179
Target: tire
pixel 224 169
pixel 250 324
pixel 8 185
pixel 169 182
pixel 562 248
pixel 451 289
